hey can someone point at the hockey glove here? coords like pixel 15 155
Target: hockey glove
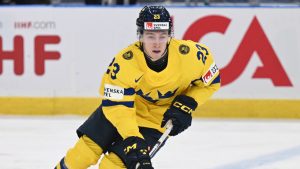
pixel 137 151
pixel 180 112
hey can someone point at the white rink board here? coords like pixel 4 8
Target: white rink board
pixel 90 37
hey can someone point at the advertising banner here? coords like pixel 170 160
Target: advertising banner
pixel 60 52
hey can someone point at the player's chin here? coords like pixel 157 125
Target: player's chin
pixel 156 56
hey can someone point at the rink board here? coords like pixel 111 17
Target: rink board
pixel 229 108
pixel 52 63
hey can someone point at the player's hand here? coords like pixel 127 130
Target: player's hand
pixel 137 151
pixel 180 112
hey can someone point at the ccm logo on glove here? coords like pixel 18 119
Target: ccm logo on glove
pixel 183 107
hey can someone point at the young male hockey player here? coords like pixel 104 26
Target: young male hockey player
pixel 153 80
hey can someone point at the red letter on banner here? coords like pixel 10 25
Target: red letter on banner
pixel 17 55
pixel 255 40
pixel 41 55
pixel 205 25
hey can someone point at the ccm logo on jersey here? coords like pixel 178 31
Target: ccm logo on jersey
pixel 156 25
pixel 113 92
pixel 207 77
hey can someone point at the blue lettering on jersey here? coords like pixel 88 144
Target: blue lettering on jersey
pixel 108 70
pixel 115 71
pixel 200 53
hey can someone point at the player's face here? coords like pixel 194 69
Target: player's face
pixel 155 43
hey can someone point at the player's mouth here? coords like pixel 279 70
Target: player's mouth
pixel 156 51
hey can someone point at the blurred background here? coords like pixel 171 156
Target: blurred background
pixel 164 2
pixel 53 54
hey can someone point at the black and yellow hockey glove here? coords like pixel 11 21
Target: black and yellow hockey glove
pixel 137 151
pixel 180 112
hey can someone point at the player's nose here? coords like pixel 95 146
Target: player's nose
pixel 156 41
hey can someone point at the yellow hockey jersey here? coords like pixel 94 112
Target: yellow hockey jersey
pixel 134 95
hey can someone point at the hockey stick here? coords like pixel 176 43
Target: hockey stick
pixel 161 140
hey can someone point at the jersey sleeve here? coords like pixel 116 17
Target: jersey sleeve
pixel 118 95
pixel 209 80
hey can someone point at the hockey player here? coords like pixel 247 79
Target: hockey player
pixel 153 80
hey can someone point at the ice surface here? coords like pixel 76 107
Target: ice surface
pixel 40 142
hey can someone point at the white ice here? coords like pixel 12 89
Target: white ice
pixel 40 142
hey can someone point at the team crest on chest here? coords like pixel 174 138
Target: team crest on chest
pixel 161 95
pixel 183 49
pixel 128 55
